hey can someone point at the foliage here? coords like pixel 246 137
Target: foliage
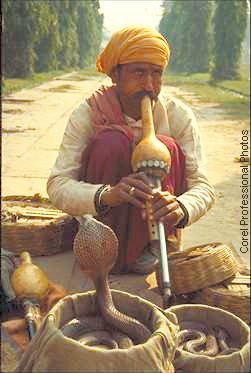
pixel 230 21
pixel 22 27
pixel 90 24
pixel 42 35
pixel 231 96
pixel 47 49
pixel 186 24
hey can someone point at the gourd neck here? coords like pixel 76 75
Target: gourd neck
pixel 148 130
pixel 25 258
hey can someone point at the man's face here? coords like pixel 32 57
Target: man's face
pixel 135 80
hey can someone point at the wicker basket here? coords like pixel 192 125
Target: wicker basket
pixel 32 224
pixel 199 267
pixel 232 295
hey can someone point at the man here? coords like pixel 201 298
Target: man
pixel 93 175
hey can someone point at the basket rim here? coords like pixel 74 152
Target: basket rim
pixel 203 270
pixel 205 307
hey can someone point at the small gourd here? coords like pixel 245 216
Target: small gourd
pixel 28 280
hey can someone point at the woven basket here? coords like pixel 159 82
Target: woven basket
pixel 232 295
pixel 239 337
pixel 199 267
pixel 32 224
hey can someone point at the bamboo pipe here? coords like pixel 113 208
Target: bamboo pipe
pixel 30 285
pixel 151 156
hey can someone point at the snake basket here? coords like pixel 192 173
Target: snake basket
pixel 51 351
pixel 199 267
pixel 238 331
pixel 231 295
pixel 32 224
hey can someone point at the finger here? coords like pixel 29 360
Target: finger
pixel 143 214
pixel 134 191
pixel 159 194
pixel 140 184
pixel 142 176
pixel 158 203
pixel 137 193
pixel 162 212
pixel 172 219
pixel 134 201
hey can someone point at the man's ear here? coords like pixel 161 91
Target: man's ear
pixel 114 75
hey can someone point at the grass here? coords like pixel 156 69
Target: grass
pixel 232 96
pixel 87 73
pixel 16 84
pixel 13 85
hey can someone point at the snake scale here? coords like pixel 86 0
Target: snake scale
pixel 96 248
pixel 196 338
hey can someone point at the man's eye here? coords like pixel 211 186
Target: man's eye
pixel 157 73
pixel 139 73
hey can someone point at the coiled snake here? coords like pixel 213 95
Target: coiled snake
pixel 198 339
pixel 96 248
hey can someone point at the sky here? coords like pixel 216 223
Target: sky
pixel 121 13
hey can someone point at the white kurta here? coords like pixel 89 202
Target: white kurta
pixel 171 117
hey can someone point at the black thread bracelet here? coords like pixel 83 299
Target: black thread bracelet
pixel 185 219
pixel 100 208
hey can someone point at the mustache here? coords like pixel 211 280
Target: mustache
pixel 139 95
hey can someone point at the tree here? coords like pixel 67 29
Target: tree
pixel 170 26
pixel 41 35
pixel 230 21
pixel 23 26
pixel 49 45
pixel 90 26
pixel 186 24
pixel 68 55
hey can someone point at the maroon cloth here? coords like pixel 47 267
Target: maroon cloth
pixel 105 161
pixel 106 110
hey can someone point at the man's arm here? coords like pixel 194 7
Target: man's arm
pixel 66 192
pixel 199 197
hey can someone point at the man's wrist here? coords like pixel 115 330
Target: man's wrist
pixel 105 196
pixel 183 222
pixel 101 205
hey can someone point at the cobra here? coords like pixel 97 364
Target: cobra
pixel 196 338
pixel 96 249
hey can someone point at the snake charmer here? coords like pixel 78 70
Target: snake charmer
pixel 93 174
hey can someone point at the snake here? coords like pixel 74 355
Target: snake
pixel 100 333
pixel 96 248
pixel 198 339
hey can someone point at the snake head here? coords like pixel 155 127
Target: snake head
pixel 95 246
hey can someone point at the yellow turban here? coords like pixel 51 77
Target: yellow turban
pixel 134 44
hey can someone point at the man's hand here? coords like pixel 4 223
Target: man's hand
pixel 134 189
pixel 166 208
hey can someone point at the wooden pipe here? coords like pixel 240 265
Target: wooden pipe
pixel 30 285
pixel 152 156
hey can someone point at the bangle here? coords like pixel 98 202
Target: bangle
pixel 101 209
pixel 184 220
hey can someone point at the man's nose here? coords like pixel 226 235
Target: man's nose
pixel 148 83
